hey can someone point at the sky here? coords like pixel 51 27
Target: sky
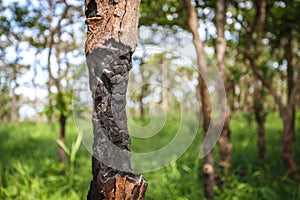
pixel 38 62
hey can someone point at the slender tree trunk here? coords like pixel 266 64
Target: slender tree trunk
pixel 143 92
pixel 225 146
pixel 260 120
pixel 290 78
pixel 62 126
pixel 287 143
pixel 260 117
pixel 208 167
pixel 165 83
pixel 286 112
pixel 112 38
pixel 14 110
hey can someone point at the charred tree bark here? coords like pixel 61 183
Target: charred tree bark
pixel 112 38
pixel 208 167
pixel 225 146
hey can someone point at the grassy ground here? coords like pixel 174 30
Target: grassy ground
pixel 29 167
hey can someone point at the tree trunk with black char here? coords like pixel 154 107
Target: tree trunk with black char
pixel 112 38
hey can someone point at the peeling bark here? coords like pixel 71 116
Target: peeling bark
pixel 112 38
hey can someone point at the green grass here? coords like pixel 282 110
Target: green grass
pixel 29 167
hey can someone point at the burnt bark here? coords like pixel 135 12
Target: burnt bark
pixel 112 38
pixel 225 146
pixel 208 167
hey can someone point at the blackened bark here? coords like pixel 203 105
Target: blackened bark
pixel 208 167
pixel 112 38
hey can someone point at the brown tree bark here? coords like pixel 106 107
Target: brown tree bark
pixel 208 167
pixel 62 127
pixel 165 83
pixel 260 118
pixel 286 111
pixel 143 91
pixel 225 146
pixel 290 77
pixel 111 40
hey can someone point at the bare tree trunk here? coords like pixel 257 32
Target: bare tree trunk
pixel 164 95
pixel 287 143
pixel 286 112
pixel 112 38
pixel 260 120
pixel 14 109
pixel 290 78
pixel 225 146
pixel 208 167
pixel 143 91
pixel 62 126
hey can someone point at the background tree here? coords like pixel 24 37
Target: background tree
pixel 208 167
pixel 286 111
pixel 225 147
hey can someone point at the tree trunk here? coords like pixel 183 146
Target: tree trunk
pixel 143 92
pixel 260 118
pixel 14 110
pixel 287 143
pixel 290 78
pixel 225 146
pixel 165 83
pixel 62 126
pixel 261 141
pixel 112 38
pixel 208 167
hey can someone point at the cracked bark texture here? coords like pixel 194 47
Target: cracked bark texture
pixel 112 38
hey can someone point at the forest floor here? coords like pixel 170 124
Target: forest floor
pixel 29 167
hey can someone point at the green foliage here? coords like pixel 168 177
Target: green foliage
pixel 30 169
pixel 166 13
